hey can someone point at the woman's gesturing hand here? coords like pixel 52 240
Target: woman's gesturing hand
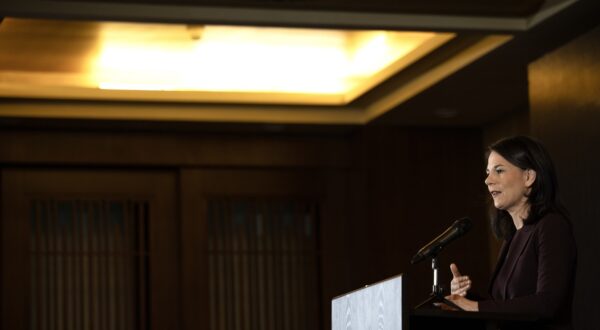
pixel 459 284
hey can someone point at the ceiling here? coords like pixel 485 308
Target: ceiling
pixel 217 64
pixel 476 78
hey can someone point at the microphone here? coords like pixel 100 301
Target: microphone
pixel 458 229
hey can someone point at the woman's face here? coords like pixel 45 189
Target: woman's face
pixel 508 184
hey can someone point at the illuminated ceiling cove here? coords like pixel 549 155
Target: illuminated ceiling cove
pixel 153 71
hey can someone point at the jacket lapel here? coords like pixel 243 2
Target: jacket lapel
pixel 519 247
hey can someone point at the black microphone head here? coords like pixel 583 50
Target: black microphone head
pixel 463 225
pixel 456 230
pixel 416 258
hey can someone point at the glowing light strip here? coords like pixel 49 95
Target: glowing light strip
pixel 245 59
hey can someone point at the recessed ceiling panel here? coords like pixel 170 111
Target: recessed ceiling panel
pixel 159 71
pixel 203 63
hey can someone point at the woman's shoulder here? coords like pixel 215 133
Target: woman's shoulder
pixel 554 224
pixel 554 234
pixel 554 219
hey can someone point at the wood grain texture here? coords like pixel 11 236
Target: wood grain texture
pixel 416 183
pixel 565 115
pixel 378 306
pixel 386 192
pixel 19 187
pixel 144 149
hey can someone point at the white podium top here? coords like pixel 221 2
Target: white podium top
pixel 378 306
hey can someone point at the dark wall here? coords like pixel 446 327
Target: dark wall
pixel 400 187
pixel 414 184
pixel 565 115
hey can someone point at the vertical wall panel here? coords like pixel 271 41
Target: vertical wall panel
pixel 279 259
pixel 565 115
pixel 63 285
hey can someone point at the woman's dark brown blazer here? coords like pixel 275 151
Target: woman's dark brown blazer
pixel 541 275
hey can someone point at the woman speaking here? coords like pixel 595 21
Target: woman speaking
pixel 535 271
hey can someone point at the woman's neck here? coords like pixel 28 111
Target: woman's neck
pixel 519 214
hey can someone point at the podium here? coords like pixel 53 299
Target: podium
pixel 383 306
pixel 379 306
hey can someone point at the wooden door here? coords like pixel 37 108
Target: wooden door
pixel 89 249
pixel 252 255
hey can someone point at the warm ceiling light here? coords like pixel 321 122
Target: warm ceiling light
pixel 220 73
pixel 237 59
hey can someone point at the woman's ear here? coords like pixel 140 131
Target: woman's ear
pixel 530 176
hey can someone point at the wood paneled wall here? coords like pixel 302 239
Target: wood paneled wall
pixel 118 148
pixel 565 115
pixel 397 188
pixel 414 184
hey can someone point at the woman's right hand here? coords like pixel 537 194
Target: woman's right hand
pixel 459 284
